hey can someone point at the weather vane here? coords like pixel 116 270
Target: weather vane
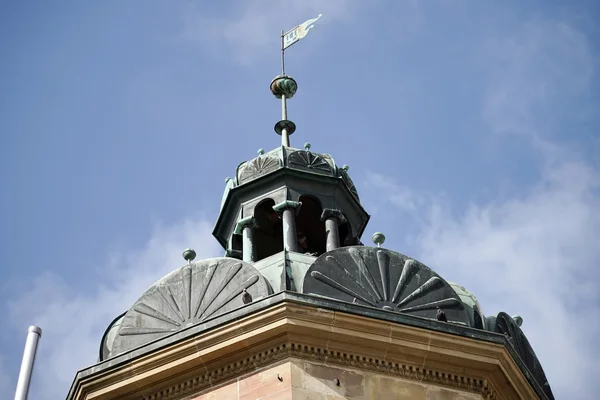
pixel 284 87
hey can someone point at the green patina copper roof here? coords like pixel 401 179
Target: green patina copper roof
pixel 288 157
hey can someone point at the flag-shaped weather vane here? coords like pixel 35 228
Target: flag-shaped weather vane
pixel 284 87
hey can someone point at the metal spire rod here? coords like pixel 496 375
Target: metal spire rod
pixel 282 54
pixel 284 87
pixel 285 137
pixel 33 336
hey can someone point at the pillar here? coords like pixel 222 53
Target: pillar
pixel 288 210
pixel 246 227
pixel 333 218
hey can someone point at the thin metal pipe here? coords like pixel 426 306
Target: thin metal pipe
pixel 285 138
pixel 33 337
pixel 282 55
pixel 283 107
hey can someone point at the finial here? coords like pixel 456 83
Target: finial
pixel 189 255
pixel 284 87
pixel 518 320
pixel 307 146
pixel 378 238
pixel 261 152
pixel 345 167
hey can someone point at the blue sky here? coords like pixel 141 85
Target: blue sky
pixel 472 130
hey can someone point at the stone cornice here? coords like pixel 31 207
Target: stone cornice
pixel 306 331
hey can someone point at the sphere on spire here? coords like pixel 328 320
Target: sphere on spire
pixel 284 85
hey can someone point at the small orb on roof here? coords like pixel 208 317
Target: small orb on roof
pixel 378 238
pixel 283 86
pixel 189 255
pixel 261 152
pixel 518 320
pixel 345 167
pixel 307 146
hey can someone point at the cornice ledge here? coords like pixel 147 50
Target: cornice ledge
pixel 181 355
pixel 238 347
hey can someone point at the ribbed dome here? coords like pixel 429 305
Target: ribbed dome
pixel 292 158
pixel 471 303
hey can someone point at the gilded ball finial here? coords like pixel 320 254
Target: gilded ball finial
pixel 189 255
pixel 378 238
pixel 284 86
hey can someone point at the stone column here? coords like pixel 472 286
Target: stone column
pixel 246 227
pixel 333 218
pixel 288 210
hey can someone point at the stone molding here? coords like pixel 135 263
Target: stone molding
pixel 288 351
pixel 292 330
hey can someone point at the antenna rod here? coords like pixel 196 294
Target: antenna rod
pixel 282 55
pixel 285 137
pixel 33 336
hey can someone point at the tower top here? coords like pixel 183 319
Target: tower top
pixel 284 87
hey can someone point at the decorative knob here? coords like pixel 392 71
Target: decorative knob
pixel 261 152
pixel 284 86
pixel 189 255
pixel 307 146
pixel 518 320
pixel 345 167
pixel 378 238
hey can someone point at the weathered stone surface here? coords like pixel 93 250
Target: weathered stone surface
pixel 384 279
pixel 393 388
pixel 191 294
pixel 324 379
pixel 320 381
pixel 434 393
pixel 270 383
pixel 227 392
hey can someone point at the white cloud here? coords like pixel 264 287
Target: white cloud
pixel 535 254
pixel 253 28
pixel 73 319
